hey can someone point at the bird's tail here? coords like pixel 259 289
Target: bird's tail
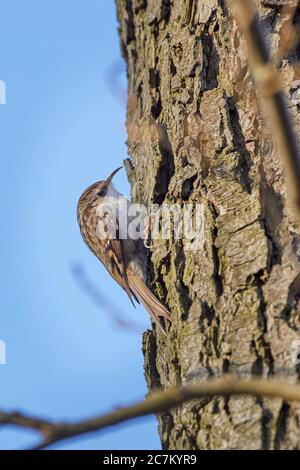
pixel 150 302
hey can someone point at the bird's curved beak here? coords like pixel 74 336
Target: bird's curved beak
pixel 108 180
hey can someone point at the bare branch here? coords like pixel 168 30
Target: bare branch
pixel 158 402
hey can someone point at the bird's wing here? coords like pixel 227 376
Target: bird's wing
pixel 116 263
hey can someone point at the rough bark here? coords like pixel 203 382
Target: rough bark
pixel 196 133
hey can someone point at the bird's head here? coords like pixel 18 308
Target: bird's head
pixel 91 197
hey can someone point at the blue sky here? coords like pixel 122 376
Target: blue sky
pixel 62 128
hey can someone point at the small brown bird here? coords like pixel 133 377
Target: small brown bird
pixel 99 212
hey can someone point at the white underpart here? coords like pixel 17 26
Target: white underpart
pixel 120 205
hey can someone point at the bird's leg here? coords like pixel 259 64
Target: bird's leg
pixel 147 231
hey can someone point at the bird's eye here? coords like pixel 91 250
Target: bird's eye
pixel 100 193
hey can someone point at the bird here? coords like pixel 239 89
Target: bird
pixel 99 212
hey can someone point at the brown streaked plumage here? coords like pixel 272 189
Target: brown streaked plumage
pixel 125 259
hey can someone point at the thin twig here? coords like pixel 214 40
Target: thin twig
pixel 157 402
pixel 268 81
pixel 102 301
pixel 289 31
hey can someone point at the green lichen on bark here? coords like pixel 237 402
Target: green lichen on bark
pixel 196 133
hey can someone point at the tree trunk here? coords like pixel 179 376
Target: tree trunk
pixel 196 133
